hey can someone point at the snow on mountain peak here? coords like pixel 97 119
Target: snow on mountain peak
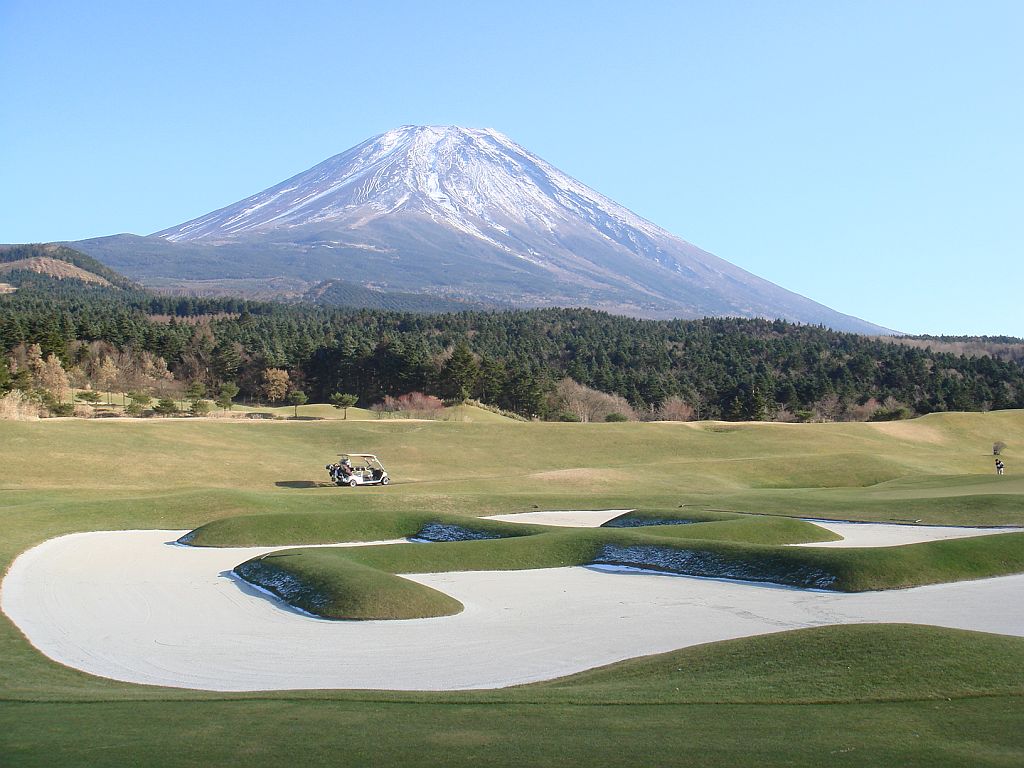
pixel 477 181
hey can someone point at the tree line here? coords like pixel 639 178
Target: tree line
pixel 573 364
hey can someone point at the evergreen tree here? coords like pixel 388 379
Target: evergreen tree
pixel 226 395
pixel 343 401
pixel 166 406
pixel 297 397
pixel 461 373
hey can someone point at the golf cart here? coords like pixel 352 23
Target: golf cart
pixel 354 469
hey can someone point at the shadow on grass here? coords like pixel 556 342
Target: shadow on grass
pixel 298 484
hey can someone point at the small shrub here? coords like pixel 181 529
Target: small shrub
pixel 891 414
pixel 61 409
pixel 166 407
pixel 616 417
pixel 89 396
pixel 199 407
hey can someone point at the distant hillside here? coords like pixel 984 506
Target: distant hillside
pixel 45 265
pixel 52 260
pixel 338 293
pixel 1007 348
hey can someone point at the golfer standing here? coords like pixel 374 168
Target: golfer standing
pixel 1000 466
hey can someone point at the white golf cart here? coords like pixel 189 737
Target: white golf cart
pixel 354 469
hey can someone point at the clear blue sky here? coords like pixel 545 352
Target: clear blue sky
pixel 868 154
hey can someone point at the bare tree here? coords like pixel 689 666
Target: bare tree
pixel 675 409
pixel 106 376
pixel 34 363
pixel 829 408
pixel 54 379
pixel 588 404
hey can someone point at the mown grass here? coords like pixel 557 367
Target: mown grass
pixel 895 695
pixel 961 732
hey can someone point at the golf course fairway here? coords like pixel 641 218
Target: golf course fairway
pixel 808 682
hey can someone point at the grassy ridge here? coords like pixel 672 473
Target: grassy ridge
pixel 324 580
pixel 846 570
pixel 811 666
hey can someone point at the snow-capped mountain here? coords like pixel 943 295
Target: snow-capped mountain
pixel 469 214
pixel 477 182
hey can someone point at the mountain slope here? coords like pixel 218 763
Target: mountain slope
pixel 56 262
pixel 468 214
pixel 338 293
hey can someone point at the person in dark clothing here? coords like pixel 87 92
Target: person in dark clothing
pixel 1000 466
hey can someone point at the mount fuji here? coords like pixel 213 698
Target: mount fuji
pixel 462 214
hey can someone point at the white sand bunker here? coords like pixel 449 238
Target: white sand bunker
pixel 128 606
pixel 592 518
pixel 889 535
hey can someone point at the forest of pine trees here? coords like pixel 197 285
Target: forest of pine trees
pixel 522 361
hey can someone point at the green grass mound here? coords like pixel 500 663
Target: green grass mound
pixel 341 589
pixel 937 500
pixel 857 662
pixel 722 526
pixel 468 412
pixel 840 569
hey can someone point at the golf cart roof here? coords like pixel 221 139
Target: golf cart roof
pixel 359 455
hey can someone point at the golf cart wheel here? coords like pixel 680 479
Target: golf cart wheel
pixel 385 480
pixel 352 483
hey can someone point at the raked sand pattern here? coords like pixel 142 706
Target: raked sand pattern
pixel 132 606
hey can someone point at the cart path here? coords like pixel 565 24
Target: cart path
pixel 129 606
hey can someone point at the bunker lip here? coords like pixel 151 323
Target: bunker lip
pixel 124 605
